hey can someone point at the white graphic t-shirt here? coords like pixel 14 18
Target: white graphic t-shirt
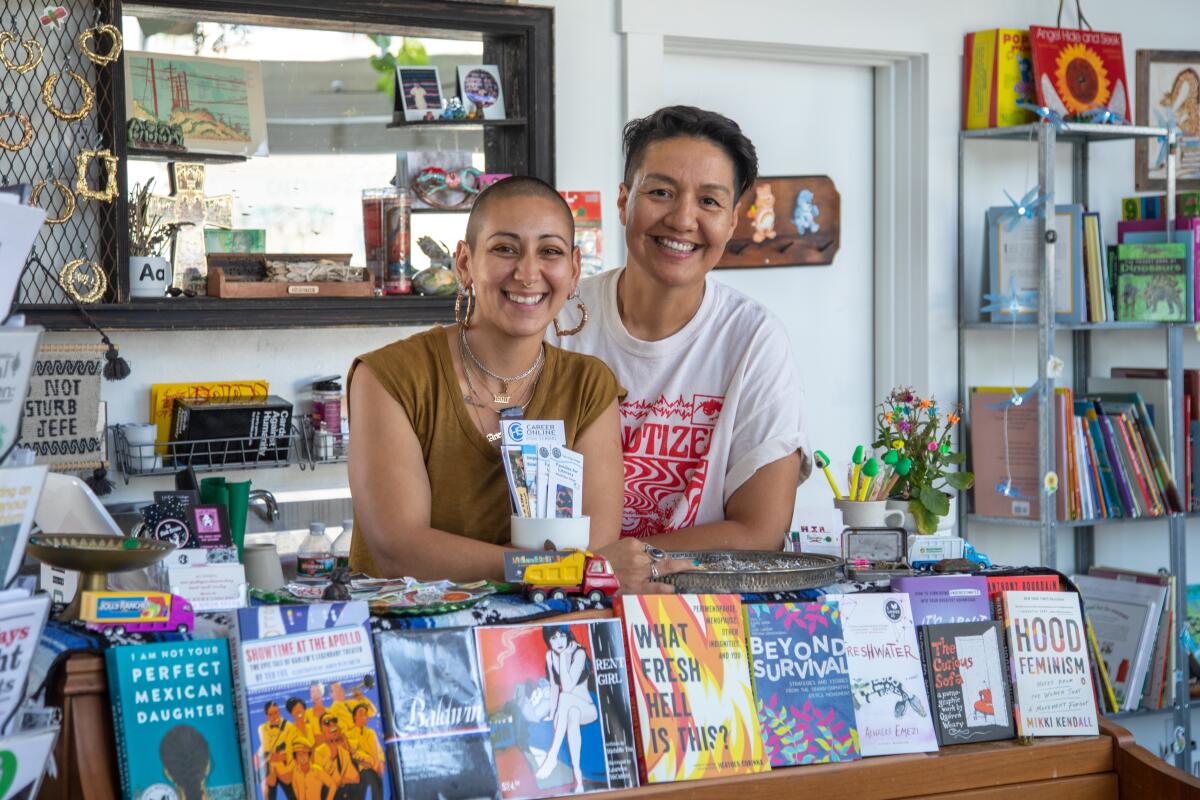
pixel 707 407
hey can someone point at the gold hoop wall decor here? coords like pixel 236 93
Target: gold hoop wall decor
pixel 113 53
pixel 109 192
pixel 68 200
pixel 33 53
pixel 26 129
pixel 84 109
pixel 83 285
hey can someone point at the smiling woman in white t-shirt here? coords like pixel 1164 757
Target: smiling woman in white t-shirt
pixel 713 424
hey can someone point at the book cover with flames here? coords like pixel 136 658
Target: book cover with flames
pixel 693 701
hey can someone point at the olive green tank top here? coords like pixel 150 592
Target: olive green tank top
pixel 469 494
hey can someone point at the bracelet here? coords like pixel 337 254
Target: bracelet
pixel 27 131
pixel 68 116
pixel 68 199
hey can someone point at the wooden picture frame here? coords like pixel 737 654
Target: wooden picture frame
pixel 1172 75
pixel 787 221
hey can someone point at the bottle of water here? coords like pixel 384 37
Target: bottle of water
pixel 341 545
pixel 314 559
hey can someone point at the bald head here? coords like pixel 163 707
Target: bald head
pixel 512 188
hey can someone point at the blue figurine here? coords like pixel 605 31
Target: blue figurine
pixel 804 216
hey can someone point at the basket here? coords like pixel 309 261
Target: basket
pixel 753 571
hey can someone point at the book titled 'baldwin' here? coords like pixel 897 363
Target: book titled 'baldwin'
pixel 801 682
pixel 175 723
pixel 968 681
pixel 439 743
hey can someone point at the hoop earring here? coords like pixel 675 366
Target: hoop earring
pixel 26 131
pixel 84 109
pixel 33 53
pixel 464 319
pixel 114 52
pixel 109 192
pixel 583 322
pixel 68 199
pixel 83 287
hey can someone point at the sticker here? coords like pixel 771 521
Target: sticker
pixel 52 16
pixel 1050 482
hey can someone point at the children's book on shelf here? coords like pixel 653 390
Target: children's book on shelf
pixel 694 707
pixel 21 623
pixel 1159 690
pixel 801 682
pixel 1125 617
pixel 997 73
pixel 888 685
pixel 439 742
pixel 308 699
pixel 174 718
pixel 968 681
pixel 1077 71
pixel 1151 458
pixel 1150 207
pixel 945 598
pixel 1190 428
pixel 1052 686
pixel 1152 283
pixel 1187 233
pixel 1012 259
pixel 1095 264
pixel 558 702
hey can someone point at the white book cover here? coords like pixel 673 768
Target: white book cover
pixel 20 489
pixel 886 679
pixel 21 623
pixel 24 758
pixel 1051 674
pixel 1125 617
pixel 18 351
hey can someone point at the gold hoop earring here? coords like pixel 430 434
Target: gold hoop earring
pixel 84 109
pixel 33 53
pixel 464 319
pixel 113 53
pixel 68 200
pixel 26 131
pixel 583 322
pixel 83 287
pixel 109 192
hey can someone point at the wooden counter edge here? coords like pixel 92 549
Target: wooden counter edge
pixel 1141 773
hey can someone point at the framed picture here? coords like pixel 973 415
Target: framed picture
pixel 791 221
pixel 419 93
pixel 1168 83
pixel 481 91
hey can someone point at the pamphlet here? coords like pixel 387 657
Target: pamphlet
pixel 544 480
pixel 210 587
pixel 533 431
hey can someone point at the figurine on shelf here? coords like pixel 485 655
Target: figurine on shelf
pixel 338 590
pixel 454 109
pixel 437 280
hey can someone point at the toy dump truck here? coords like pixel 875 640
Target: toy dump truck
pixel 575 572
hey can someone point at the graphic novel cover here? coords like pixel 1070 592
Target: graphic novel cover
pixel 968 681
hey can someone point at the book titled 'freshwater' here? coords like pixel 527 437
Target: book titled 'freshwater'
pixel 693 701
pixel 801 683
pixel 439 744
pixel 968 681
pixel 945 598
pixel 1051 676
pixel 886 679
pixel 173 712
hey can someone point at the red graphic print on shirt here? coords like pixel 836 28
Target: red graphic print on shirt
pixel 666 446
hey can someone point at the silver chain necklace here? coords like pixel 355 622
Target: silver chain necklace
pixel 502 396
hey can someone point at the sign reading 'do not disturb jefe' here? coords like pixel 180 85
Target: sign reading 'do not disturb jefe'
pixel 62 410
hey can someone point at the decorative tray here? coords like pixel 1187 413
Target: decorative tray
pixel 745 571
pixel 421 600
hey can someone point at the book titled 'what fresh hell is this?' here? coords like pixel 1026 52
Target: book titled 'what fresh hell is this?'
pixel 694 704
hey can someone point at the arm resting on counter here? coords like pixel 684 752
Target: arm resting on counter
pixel 603 476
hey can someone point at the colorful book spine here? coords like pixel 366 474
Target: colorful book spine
pixel 997 73
pixel 802 683
pixel 1116 460
pixel 694 706
pixel 968 681
pixel 1105 688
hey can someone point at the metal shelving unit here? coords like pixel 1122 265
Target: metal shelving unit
pixel 1046 137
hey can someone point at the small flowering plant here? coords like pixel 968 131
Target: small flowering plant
pixel 917 440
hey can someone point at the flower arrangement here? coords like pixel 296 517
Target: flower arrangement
pixel 149 236
pixel 917 440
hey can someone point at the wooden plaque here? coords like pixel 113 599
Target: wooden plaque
pixel 776 224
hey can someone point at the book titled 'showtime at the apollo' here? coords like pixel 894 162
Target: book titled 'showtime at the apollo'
pixel 801 682
pixel 693 701
pixel 1051 676
pixel 174 718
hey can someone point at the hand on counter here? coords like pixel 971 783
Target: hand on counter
pixel 635 568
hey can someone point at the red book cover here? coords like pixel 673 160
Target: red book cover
pixel 1121 425
pixel 997 585
pixel 1078 71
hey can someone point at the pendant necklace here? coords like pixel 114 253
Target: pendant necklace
pixel 469 399
pixel 503 396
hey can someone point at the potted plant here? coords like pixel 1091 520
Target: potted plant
pixel 925 463
pixel 149 237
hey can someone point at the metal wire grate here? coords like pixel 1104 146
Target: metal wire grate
pixel 91 231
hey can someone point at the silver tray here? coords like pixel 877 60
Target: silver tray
pixel 742 571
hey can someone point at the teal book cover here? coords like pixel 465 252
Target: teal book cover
pixel 175 722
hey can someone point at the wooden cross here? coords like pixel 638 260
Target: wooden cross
pixel 187 203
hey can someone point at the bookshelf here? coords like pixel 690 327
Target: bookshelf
pixel 1045 137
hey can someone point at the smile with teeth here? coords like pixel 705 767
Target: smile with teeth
pixel 675 244
pixel 525 299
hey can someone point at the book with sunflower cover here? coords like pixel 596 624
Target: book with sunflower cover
pixel 1079 71
pixel 801 683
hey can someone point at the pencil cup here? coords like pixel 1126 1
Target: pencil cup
pixel 869 514
pixel 567 533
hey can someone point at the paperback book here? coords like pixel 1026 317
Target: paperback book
pixel 887 682
pixel 1152 283
pixel 21 624
pixel 308 700
pixel 173 713
pixel 557 700
pixel 945 598
pixel 1053 694
pixel 1125 617
pixel 693 701
pixel 968 681
pixel 439 744
pixel 801 683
